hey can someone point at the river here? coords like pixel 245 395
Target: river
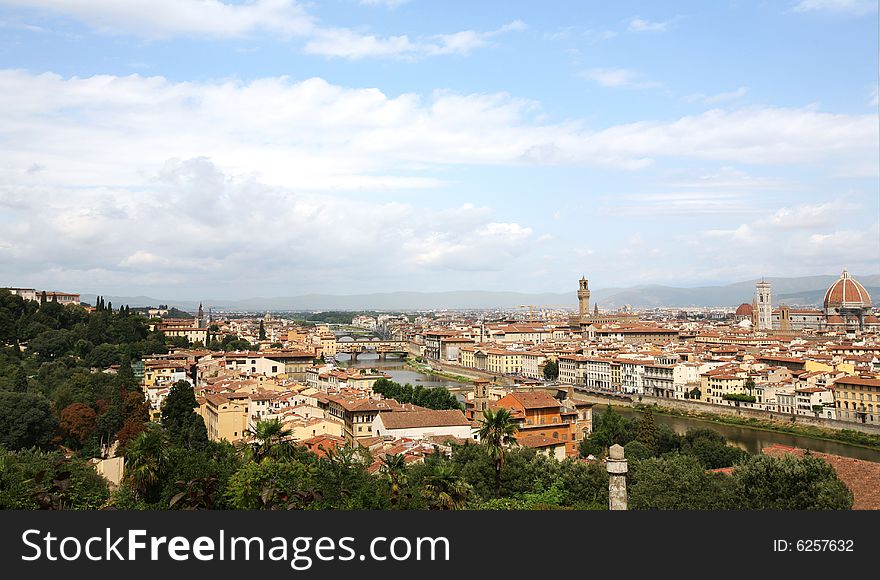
pixel 400 373
pixel 753 440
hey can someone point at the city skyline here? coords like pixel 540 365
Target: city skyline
pixel 276 148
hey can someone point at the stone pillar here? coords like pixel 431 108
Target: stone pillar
pixel 354 356
pixel 617 468
pixel 383 355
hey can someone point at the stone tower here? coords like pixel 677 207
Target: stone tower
pixel 200 317
pixel 481 397
pixel 584 298
pixel 763 306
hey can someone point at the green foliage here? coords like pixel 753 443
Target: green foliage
pixel 647 431
pixel 711 449
pixel 739 397
pixel 551 370
pixel 497 432
pixel 609 429
pixel 31 479
pixel 26 420
pixel 265 485
pixel 147 462
pixel 675 482
pixel 432 398
pixel 185 427
pixel 787 483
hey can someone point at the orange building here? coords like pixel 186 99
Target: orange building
pixel 539 414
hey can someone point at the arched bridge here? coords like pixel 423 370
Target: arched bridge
pixel 380 347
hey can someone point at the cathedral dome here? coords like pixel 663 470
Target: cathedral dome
pixel 745 309
pixel 847 292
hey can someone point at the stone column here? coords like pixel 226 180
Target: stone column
pixel 617 468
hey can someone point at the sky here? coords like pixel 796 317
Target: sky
pixel 234 149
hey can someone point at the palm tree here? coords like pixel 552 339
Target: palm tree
pixel 444 489
pixel 269 440
pixel 497 431
pixel 394 468
pixel 147 459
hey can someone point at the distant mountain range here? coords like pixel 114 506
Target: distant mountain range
pixel 804 291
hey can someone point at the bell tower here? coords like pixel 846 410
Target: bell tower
pixel 584 298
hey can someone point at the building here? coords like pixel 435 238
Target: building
pixel 763 309
pixel 539 414
pixel 857 399
pixel 226 416
pixel 544 445
pixel 846 307
pixel 24 293
pixel 422 424
pixel 358 413
pixel 62 298
pixel 584 299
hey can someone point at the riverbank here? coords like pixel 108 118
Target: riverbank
pixel 428 370
pixel 850 437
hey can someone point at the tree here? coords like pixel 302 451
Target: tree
pixel 497 431
pixel 443 489
pixel 262 335
pixel 78 421
pixel 750 385
pixel 147 461
pixel 676 482
pixel 711 449
pixel 269 440
pixel 551 370
pixel 26 420
pixel 394 469
pixel 20 380
pixel 647 433
pixel 695 393
pixel 765 482
pixel 185 427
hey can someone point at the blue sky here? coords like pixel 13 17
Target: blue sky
pixel 192 148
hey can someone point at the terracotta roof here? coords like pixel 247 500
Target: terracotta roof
pixel 745 309
pixel 847 293
pixel 535 399
pixel 429 418
pixel 538 441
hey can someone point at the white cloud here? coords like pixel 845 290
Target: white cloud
pixel 167 18
pixel 385 3
pixel 311 135
pixel 162 19
pixel 717 98
pixel 196 224
pixel 617 77
pixel 346 43
pixel 637 24
pixel 857 7
pixel 808 238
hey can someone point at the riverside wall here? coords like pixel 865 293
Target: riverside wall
pixel 701 407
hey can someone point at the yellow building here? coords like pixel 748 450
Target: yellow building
pixel 857 399
pixel 717 383
pixel 226 416
pixel 503 361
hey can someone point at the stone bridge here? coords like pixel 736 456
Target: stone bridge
pixel 381 347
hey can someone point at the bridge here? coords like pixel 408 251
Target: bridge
pixel 381 347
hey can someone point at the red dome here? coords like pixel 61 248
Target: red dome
pixel 745 309
pixel 847 293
